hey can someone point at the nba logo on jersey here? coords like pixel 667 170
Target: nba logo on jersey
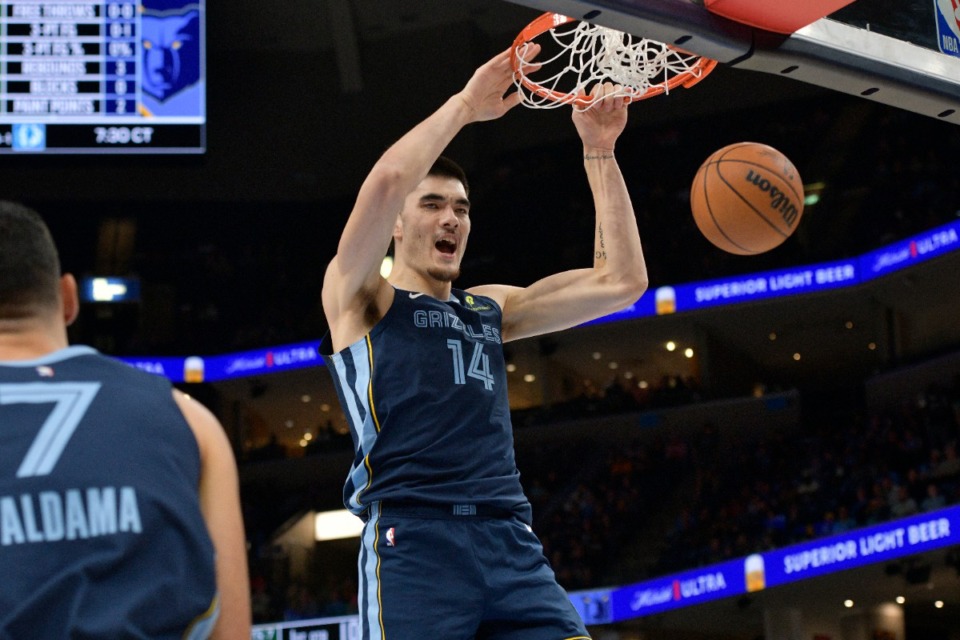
pixel 391 541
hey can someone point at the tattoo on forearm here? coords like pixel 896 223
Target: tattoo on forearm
pixel 598 156
pixel 601 253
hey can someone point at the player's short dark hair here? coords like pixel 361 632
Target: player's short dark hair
pixel 444 167
pixel 29 263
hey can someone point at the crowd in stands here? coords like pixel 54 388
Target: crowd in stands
pixel 618 396
pixel 827 479
pixel 733 497
pixel 583 529
pixel 597 505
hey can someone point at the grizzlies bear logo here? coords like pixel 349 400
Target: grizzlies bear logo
pixel 171 57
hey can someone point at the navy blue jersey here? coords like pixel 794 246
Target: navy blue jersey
pixel 101 534
pixel 425 393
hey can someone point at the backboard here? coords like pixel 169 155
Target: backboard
pixel 904 53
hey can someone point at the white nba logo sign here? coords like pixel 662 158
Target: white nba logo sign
pixel 390 537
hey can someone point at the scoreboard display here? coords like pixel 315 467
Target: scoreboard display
pixel 102 76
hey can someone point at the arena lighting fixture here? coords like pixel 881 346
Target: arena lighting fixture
pixel 812 192
pixel 848 604
pixel 901 599
pixel 671 345
pixel 109 289
pixel 336 525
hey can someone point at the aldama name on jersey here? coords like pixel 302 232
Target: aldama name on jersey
pixel 74 514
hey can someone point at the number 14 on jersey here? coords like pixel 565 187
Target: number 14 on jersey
pixel 479 367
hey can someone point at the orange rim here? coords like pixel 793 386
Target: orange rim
pixel 547 21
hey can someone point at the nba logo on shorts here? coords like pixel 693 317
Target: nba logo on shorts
pixel 390 537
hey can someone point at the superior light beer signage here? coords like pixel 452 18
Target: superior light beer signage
pixel 864 546
pixel 795 280
pixel 879 543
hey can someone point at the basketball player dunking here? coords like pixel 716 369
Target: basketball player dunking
pixel 420 373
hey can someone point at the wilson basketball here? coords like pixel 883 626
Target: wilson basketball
pixel 747 198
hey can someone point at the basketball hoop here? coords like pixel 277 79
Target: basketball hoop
pixel 577 55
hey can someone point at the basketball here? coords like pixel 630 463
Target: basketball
pixel 747 198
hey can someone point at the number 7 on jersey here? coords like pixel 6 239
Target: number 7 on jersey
pixel 70 402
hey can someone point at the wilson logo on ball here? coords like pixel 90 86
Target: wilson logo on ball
pixel 779 200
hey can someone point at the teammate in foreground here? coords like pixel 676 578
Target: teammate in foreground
pixel 119 502
pixel 447 550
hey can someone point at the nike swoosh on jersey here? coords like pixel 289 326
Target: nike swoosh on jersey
pixel 415 295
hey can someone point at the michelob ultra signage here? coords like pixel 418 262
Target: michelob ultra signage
pixel 233 365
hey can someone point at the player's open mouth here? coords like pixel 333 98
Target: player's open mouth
pixel 445 245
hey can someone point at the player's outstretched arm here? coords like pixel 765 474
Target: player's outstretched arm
pixel 220 504
pixel 618 276
pixel 353 277
pixel 618 255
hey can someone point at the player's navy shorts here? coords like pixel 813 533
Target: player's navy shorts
pixel 458 572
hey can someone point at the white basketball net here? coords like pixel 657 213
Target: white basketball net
pixel 590 54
